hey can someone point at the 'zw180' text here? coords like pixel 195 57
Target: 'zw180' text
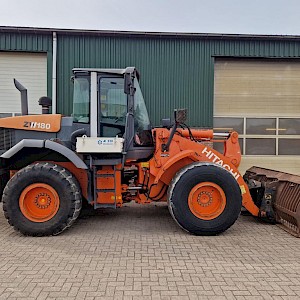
pixel 37 125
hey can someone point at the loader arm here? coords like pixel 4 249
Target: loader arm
pixel 184 151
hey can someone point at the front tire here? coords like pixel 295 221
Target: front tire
pixel 42 199
pixel 204 199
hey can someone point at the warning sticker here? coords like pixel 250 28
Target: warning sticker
pixel 243 189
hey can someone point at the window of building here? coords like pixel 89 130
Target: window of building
pixel 262 136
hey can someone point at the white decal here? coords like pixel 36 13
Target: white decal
pixel 218 161
pixel 106 142
pixel 40 125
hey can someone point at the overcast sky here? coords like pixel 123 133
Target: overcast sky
pixel 202 16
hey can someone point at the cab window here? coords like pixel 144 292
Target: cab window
pixel 142 126
pixel 81 100
pixel 113 106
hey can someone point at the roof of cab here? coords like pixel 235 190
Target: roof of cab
pixel 108 71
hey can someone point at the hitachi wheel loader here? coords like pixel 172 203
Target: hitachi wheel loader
pixel 106 154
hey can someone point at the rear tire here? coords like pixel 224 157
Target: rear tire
pixel 4 178
pixel 42 199
pixel 204 199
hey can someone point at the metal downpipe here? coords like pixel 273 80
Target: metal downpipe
pixel 54 61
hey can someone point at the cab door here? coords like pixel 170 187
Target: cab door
pixel 113 107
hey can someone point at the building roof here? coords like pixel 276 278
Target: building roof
pixel 39 30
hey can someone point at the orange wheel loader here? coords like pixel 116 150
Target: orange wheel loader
pixel 107 154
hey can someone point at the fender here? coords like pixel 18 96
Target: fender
pixel 29 143
pixel 173 160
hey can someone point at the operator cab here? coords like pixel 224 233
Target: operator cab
pixel 109 103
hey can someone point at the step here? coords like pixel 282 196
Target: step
pixel 105 175
pixel 105 190
pixel 105 205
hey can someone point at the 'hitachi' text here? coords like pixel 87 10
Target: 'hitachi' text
pixel 218 161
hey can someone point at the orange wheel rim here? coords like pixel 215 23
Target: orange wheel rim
pixel 207 200
pixel 39 202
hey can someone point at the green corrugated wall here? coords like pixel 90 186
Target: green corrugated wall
pixel 174 73
pixel 177 71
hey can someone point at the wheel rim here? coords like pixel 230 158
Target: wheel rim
pixel 207 200
pixel 39 202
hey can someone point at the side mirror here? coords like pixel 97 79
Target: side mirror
pixel 180 115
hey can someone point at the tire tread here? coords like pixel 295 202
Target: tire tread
pixel 69 183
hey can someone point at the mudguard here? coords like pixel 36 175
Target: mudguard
pixel 30 143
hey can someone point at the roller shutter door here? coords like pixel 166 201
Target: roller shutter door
pixel 28 68
pixel 260 98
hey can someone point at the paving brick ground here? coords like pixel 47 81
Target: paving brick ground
pixel 138 252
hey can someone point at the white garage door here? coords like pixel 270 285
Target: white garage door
pixel 30 69
pixel 261 100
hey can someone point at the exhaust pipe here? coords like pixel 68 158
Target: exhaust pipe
pixel 24 99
